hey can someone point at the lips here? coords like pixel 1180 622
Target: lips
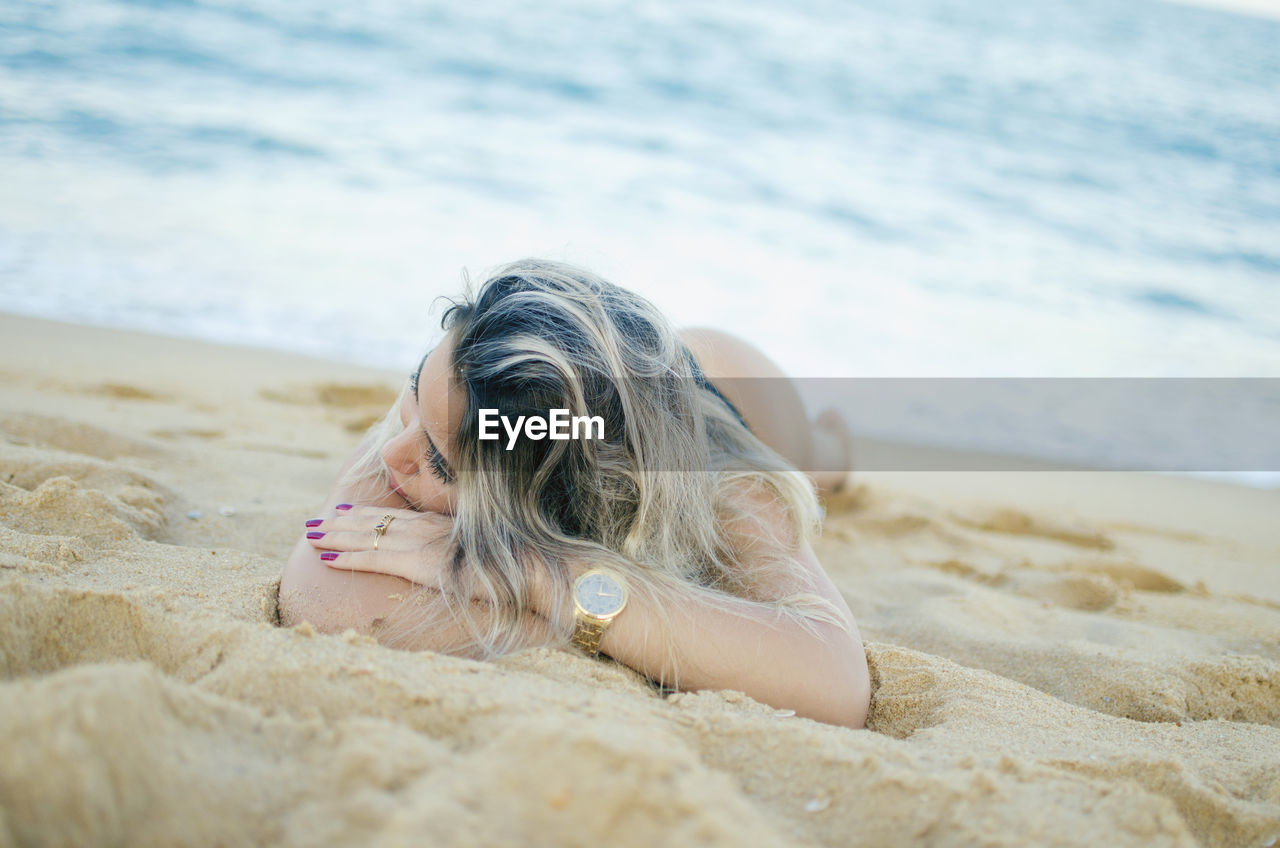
pixel 395 487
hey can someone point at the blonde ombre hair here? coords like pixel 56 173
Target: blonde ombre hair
pixel 656 499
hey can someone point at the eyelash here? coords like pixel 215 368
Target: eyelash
pixel 434 459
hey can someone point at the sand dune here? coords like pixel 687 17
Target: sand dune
pixel 1058 658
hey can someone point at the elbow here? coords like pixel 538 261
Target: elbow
pixel 857 703
pixel 846 701
pixel 845 697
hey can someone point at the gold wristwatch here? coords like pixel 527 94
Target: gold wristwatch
pixel 598 597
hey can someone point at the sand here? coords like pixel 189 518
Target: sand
pixel 1057 658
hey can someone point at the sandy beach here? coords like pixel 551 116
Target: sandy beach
pixel 1058 658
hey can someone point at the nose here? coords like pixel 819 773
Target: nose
pixel 401 453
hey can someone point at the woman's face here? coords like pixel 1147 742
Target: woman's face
pixel 419 459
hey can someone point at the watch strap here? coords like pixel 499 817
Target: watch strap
pixel 587 633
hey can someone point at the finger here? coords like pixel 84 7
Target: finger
pixel 348 540
pixel 373 513
pixel 351 560
pixel 396 564
pixel 358 518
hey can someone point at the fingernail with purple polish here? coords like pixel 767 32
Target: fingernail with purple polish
pixel 343 506
pixel 315 522
pixel 328 556
pixel 315 534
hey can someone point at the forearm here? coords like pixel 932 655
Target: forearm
pixel 747 646
pixel 331 600
pixel 702 642
pixel 396 609
pixel 382 606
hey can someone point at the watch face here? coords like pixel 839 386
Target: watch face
pixel 599 594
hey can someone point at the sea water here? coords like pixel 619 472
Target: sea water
pixel 918 188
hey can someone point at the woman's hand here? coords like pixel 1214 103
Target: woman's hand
pixel 412 547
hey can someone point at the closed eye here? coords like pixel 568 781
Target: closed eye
pixel 437 464
pixel 435 459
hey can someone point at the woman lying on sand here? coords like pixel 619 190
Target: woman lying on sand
pixel 670 535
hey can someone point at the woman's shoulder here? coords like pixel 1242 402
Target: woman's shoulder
pixel 756 519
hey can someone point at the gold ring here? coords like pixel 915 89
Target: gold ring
pixel 380 529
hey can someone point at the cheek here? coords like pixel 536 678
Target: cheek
pixel 436 496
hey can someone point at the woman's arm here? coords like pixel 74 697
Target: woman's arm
pixel 771 659
pixel 333 600
pixel 375 604
pixel 745 645
pixel 725 643
pixel 819 670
